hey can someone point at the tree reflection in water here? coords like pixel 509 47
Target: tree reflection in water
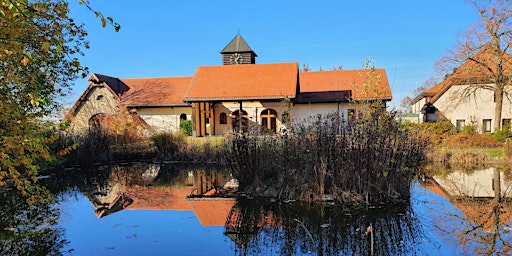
pixel 298 228
pixel 29 229
pixel 484 198
pixel 477 218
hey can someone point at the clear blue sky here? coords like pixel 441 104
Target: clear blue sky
pixel 163 38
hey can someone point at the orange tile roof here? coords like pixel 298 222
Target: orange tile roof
pixel 212 212
pixel 155 91
pixel 244 82
pixel 435 89
pixel 159 198
pixel 209 211
pixel 338 80
pixel 470 72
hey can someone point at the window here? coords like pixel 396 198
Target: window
pixel 223 118
pixel 505 123
pixel 351 115
pixel 100 97
pixel 460 124
pixel 183 116
pixel 236 117
pixel 486 125
pixel 269 120
pixel 99 124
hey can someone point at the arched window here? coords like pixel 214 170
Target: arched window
pixel 183 116
pixel 223 118
pixel 98 123
pixel 269 120
pixel 236 117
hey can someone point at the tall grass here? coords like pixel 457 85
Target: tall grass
pixel 368 161
pixel 99 147
pixel 94 147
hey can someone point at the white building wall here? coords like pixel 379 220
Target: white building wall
pixel 472 110
pixel 165 119
pixel 303 112
pixel 416 108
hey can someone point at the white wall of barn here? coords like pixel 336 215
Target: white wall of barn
pixel 164 118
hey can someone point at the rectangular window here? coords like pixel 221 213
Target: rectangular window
pixel 486 125
pixel 505 123
pixel 351 115
pixel 460 124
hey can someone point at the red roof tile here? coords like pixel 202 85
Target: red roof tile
pixel 212 212
pixel 244 82
pixel 159 198
pixel 471 72
pixel 339 80
pixel 155 91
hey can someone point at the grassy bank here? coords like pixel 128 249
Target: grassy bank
pixel 447 145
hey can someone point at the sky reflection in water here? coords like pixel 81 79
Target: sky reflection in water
pixel 431 225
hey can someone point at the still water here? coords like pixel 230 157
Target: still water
pixel 173 210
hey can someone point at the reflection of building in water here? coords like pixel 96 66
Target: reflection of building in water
pixel 211 183
pixel 133 188
pixel 476 194
pixel 478 184
pixel 108 193
pixel 106 196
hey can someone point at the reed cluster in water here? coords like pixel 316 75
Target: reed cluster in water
pixel 327 158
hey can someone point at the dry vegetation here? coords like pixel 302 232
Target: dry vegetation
pixel 361 163
pixel 447 145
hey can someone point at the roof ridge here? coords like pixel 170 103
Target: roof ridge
pixel 237 44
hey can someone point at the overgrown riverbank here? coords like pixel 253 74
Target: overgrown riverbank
pixel 326 159
pixel 446 145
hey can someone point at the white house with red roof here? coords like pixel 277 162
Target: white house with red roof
pixel 239 94
pixel 466 96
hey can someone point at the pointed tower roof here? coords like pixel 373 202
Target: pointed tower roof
pixel 238 44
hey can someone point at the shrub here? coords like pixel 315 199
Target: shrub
pixel 463 140
pixel 186 127
pixel 502 134
pixel 167 144
pixel 439 128
pixel 507 148
pixel 469 130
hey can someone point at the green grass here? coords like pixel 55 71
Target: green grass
pixel 493 152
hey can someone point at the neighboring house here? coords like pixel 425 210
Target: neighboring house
pixel 462 97
pixel 239 94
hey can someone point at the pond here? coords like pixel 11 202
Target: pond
pixel 149 209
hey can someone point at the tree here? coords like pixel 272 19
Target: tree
pixel 39 49
pixel 482 58
pixel 405 103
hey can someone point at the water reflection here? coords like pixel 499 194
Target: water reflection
pixel 484 200
pixel 304 229
pixel 255 226
pixel 29 229
pixel 188 205
pixel 144 187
